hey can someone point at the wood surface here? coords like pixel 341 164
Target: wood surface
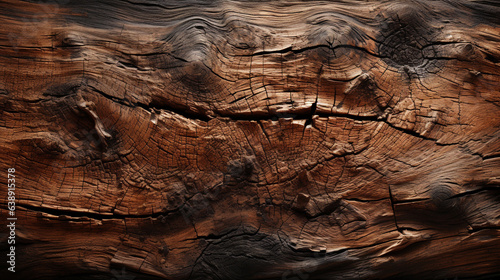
pixel 251 139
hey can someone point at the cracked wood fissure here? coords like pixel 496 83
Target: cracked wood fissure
pixel 252 139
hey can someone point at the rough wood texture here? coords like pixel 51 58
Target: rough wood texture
pixel 252 140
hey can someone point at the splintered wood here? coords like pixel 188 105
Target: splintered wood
pixel 252 139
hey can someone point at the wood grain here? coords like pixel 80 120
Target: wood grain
pixel 252 139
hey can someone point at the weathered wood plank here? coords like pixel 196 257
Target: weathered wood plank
pixel 252 140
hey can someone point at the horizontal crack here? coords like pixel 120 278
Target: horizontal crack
pixel 482 189
pixel 155 106
pixel 301 50
pixel 72 214
pixel 306 114
pixel 484 228
pixel 296 116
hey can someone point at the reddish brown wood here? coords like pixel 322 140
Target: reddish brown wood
pixel 251 140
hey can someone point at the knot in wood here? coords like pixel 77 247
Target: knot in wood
pixel 403 38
